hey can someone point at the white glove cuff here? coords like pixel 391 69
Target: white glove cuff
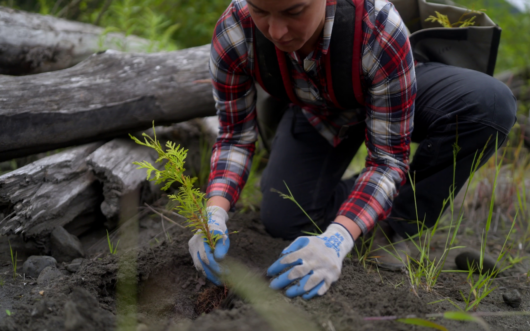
pixel 347 243
pixel 219 215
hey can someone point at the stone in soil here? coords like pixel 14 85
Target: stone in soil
pixel 75 265
pixel 35 264
pixel 472 258
pixel 512 298
pixel 82 313
pixel 48 274
pixel 64 246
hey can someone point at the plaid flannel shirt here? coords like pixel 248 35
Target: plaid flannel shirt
pixel 389 81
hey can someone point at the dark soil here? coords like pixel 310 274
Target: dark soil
pixel 171 295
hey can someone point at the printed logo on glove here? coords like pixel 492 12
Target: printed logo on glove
pixel 311 264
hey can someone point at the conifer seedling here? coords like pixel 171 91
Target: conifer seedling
pixel 191 201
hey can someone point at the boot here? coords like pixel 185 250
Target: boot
pixel 394 258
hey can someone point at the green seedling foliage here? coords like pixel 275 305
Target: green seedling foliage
pixel 191 201
pixel 422 322
pixel 13 260
pixel 112 249
pixel 8 312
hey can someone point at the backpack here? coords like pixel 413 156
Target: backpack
pixel 472 47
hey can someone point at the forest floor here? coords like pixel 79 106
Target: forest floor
pixel 172 295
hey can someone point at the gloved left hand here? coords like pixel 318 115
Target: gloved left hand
pixel 316 261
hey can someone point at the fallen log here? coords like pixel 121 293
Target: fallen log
pixel 108 95
pixel 86 184
pixel 33 43
pixel 48 193
pixel 113 166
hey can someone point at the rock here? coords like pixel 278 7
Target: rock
pixel 73 320
pixel 48 274
pixel 39 309
pixel 64 246
pixel 472 258
pixel 75 265
pixel 35 264
pixel 512 298
pixel 83 313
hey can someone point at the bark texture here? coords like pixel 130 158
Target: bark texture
pixel 47 193
pixel 108 95
pixel 33 43
pixel 113 165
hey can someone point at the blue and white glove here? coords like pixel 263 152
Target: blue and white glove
pixel 203 258
pixel 315 262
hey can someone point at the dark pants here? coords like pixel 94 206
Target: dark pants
pixel 450 100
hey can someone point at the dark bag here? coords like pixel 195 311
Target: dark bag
pixel 473 47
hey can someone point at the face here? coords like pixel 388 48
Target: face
pixel 290 24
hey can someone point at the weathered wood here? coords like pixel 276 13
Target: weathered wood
pixel 107 95
pixel 89 183
pixel 47 193
pixel 33 43
pixel 113 165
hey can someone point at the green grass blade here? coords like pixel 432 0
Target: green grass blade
pixel 465 317
pixel 422 322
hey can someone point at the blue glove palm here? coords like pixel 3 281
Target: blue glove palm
pixel 315 262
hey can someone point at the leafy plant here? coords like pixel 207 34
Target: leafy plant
pixel 112 249
pixel 191 201
pixel 443 20
pixel 13 260
pixel 8 312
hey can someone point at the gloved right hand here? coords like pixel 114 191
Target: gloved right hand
pixel 203 258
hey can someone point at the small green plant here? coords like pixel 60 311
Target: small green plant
pixel 479 289
pixel 365 247
pixel 112 249
pixel 443 20
pixel 2 281
pixel 13 260
pixel 191 201
pixel 8 312
pixel 424 270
